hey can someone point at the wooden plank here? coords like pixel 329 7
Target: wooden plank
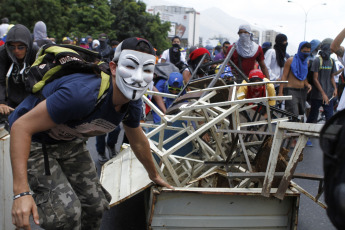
pixel 290 168
pixel 272 162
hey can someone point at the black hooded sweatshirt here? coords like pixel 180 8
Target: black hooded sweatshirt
pixel 10 68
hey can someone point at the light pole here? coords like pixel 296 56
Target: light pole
pixel 306 14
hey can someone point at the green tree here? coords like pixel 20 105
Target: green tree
pixel 119 19
pixel 133 21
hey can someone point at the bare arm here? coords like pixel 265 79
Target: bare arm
pixel 317 84
pixel 159 101
pixel 335 46
pixel 264 69
pixel 142 151
pixel 286 72
pixel 36 120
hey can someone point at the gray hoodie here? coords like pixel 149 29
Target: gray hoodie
pixel 13 69
pixel 40 34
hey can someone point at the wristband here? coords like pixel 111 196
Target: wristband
pixel 21 194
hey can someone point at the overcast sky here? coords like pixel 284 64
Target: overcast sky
pixel 323 21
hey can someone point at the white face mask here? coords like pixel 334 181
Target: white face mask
pixel 134 73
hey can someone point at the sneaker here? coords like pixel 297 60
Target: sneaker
pixel 112 152
pixel 102 158
pixel 309 143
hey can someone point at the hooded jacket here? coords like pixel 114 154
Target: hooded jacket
pixel 40 34
pixel 12 69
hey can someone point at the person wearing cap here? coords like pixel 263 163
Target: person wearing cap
pixel 17 55
pixel 194 59
pixel 83 43
pixel 174 54
pixel 266 46
pixel 173 85
pixel 256 91
pixel 247 52
pixel 275 59
pixel 295 72
pixel 4 27
pixel 72 196
pixel 324 89
pixel 104 49
pixel 67 40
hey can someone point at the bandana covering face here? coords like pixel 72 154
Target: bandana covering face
pixel 325 52
pixel 299 65
pixel 175 54
pixel 245 47
pixel 280 49
pixel 134 73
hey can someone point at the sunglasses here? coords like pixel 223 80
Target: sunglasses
pixel 12 47
pixel 174 89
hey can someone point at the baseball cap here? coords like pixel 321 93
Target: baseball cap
pixel 83 41
pixel 102 37
pixel 66 39
pixel 175 80
pixel 256 74
pixel 131 44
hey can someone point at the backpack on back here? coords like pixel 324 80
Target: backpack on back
pixel 332 142
pixel 55 61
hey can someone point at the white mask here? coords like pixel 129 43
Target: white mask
pixel 134 72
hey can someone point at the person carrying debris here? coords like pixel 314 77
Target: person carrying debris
pixel 72 196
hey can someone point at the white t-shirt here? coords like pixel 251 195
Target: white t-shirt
pixel 3 29
pixel 165 55
pixel 274 70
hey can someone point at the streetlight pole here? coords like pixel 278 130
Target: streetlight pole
pixel 306 14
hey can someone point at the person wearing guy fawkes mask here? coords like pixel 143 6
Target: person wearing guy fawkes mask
pixel 324 84
pixel 17 55
pixel 174 54
pixel 247 52
pixel 63 120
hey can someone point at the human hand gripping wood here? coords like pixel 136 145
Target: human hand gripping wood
pixel 21 211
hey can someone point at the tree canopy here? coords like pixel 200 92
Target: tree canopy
pixel 119 19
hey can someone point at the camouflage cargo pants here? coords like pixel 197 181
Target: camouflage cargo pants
pixel 72 196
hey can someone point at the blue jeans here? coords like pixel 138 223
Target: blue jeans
pixel 314 110
pixel 111 140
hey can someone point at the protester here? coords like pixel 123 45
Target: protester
pixel 95 44
pixel 62 121
pixel 222 54
pixel 256 91
pixel 173 85
pixel 324 84
pixel 16 56
pixel 104 49
pixel 295 72
pixel 266 46
pixel 247 52
pixel 83 43
pixel 194 59
pixel 174 54
pixel 4 27
pixel 89 41
pixel 40 34
pixel 275 59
